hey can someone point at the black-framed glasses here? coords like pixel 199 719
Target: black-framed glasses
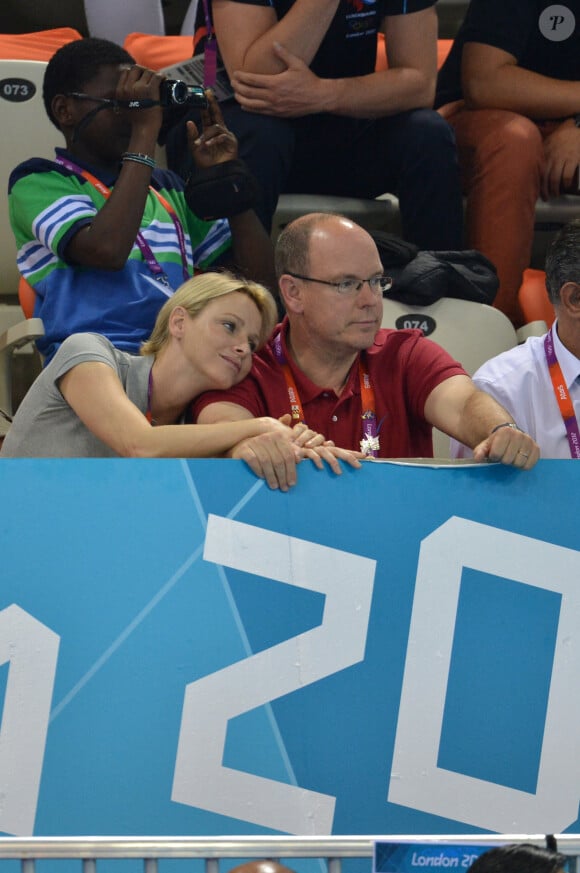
pixel 111 103
pixel 105 102
pixel 378 284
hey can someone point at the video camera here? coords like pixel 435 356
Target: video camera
pixel 174 92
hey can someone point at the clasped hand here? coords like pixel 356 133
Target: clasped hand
pixel 562 157
pixel 274 454
pixel 290 94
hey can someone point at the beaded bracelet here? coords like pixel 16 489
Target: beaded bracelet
pixel 505 424
pixel 138 158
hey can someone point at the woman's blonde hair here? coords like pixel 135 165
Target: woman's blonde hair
pixel 196 293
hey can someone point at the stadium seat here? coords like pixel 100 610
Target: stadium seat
pixel 379 214
pixel 16 334
pixel 26 131
pixel 109 19
pixel 471 333
pixel 36 46
pixel 158 52
pixel 534 298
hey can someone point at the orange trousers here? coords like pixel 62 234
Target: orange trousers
pixel 501 159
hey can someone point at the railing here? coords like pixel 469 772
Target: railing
pixel 211 849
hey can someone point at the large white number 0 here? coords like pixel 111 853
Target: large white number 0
pixel 347 580
pixel 416 780
pixel 31 649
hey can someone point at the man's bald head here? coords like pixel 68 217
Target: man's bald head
pixel 262 866
pixel 292 254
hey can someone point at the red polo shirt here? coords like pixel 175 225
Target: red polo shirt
pixel 403 367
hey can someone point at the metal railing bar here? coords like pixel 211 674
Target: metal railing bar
pixel 150 847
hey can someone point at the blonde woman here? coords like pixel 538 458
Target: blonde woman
pixel 93 400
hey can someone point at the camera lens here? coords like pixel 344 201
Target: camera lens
pixel 173 92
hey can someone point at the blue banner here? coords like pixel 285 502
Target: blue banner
pixel 392 651
pixel 406 857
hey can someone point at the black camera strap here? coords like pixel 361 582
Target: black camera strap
pixel 106 103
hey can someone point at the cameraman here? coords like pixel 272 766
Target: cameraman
pixel 105 237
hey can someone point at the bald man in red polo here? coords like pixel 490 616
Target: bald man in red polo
pixel 329 364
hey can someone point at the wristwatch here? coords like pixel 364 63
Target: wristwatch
pixel 577 120
pixel 511 424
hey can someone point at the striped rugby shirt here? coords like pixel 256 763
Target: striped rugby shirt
pixel 48 204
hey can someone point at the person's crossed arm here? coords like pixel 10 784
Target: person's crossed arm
pixel 269 62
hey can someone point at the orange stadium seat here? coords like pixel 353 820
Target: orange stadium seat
pixel 26 297
pixel 158 52
pixel 534 299
pixel 37 46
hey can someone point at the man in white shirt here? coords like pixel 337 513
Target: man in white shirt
pixel 539 382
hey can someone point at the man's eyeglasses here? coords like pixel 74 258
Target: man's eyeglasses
pixel 105 102
pixel 115 105
pixel 378 284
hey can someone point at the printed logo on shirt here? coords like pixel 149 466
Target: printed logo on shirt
pixel 557 23
pixel 358 26
pixel 359 5
pixel 361 21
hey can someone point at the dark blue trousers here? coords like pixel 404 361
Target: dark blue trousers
pixel 411 155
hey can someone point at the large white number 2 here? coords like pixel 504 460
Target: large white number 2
pixel 347 580
pixel 31 649
pixel 416 780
